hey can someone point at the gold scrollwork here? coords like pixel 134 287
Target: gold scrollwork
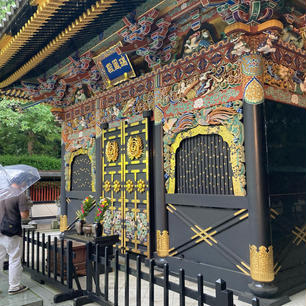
pixel 112 151
pixel 261 263
pixel 107 186
pixel 129 186
pixel 117 186
pixel 141 186
pixel 134 147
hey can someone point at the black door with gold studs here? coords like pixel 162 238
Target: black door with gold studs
pixel 125 180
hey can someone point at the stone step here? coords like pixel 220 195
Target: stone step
pixel 27 298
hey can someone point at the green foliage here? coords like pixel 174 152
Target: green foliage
pixel 5 6
pixel 41 162
pixel 32 131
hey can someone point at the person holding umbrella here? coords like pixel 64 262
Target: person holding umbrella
pixel 14 207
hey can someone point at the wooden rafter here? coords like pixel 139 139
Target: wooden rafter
pixel 80 23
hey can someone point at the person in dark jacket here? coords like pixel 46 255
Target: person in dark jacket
pixel 15 208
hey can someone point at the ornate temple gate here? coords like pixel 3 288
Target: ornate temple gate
pixel 125 179
pixel 208 203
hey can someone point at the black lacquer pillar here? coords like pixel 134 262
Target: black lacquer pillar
pixel 64 208
pixel 161 218
pixel 261 250
pixel 98 168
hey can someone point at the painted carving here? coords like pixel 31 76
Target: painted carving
pixel 228 116
pixel 125 109
pixel 142 227
pixel 130 225
pixel 150 36
pixel 293 36
pixel 81 81
pixel 248 12
pixel 134 147
pixel 252 78
pixel 197 41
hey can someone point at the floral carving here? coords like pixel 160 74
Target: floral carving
pixel 117 186
pixel 141 186
pixel 129 186
pixel 107 186
pixel 134 147
pixel 112 151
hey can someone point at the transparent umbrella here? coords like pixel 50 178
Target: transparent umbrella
pixel 15 179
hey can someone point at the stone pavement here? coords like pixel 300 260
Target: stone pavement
pixel 42 295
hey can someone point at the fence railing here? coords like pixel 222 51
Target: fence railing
pixel 51 261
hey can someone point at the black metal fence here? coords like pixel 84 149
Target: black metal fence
pixel 50 263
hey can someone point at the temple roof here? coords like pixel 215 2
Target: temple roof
pixel 53 29
pixel 38 34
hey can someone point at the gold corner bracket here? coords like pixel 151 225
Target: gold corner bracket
pixel 63 223
pixel 162 242
pixel 261 263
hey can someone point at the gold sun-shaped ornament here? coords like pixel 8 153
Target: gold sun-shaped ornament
pixel 134 147
pixel 112 151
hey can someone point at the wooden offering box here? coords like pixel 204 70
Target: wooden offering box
pixel 78 257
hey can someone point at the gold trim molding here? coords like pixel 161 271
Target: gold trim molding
pixel 63 223
pixel 235 158
pixel 44 12
pixel 261 263
pixel 77 25
pixel 71 157
pixel 162 242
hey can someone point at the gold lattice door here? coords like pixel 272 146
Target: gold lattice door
pixel 125 179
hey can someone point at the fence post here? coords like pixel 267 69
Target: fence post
pixel 151 283
pixel 89 272
pixel 69 264
pixel 106 270
pixel 116 281
pixel 97 269
pixel 138 281
pixel 62 258
pixel 23 246
pixel 55 258
pixel 32 249
pixel 49 256
pixel 200 290
pixel 182 286
pixel 166 284
pixel 28 248
pixel 37 251
pixel 224 297
pixel 43 250
pixel 127 284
